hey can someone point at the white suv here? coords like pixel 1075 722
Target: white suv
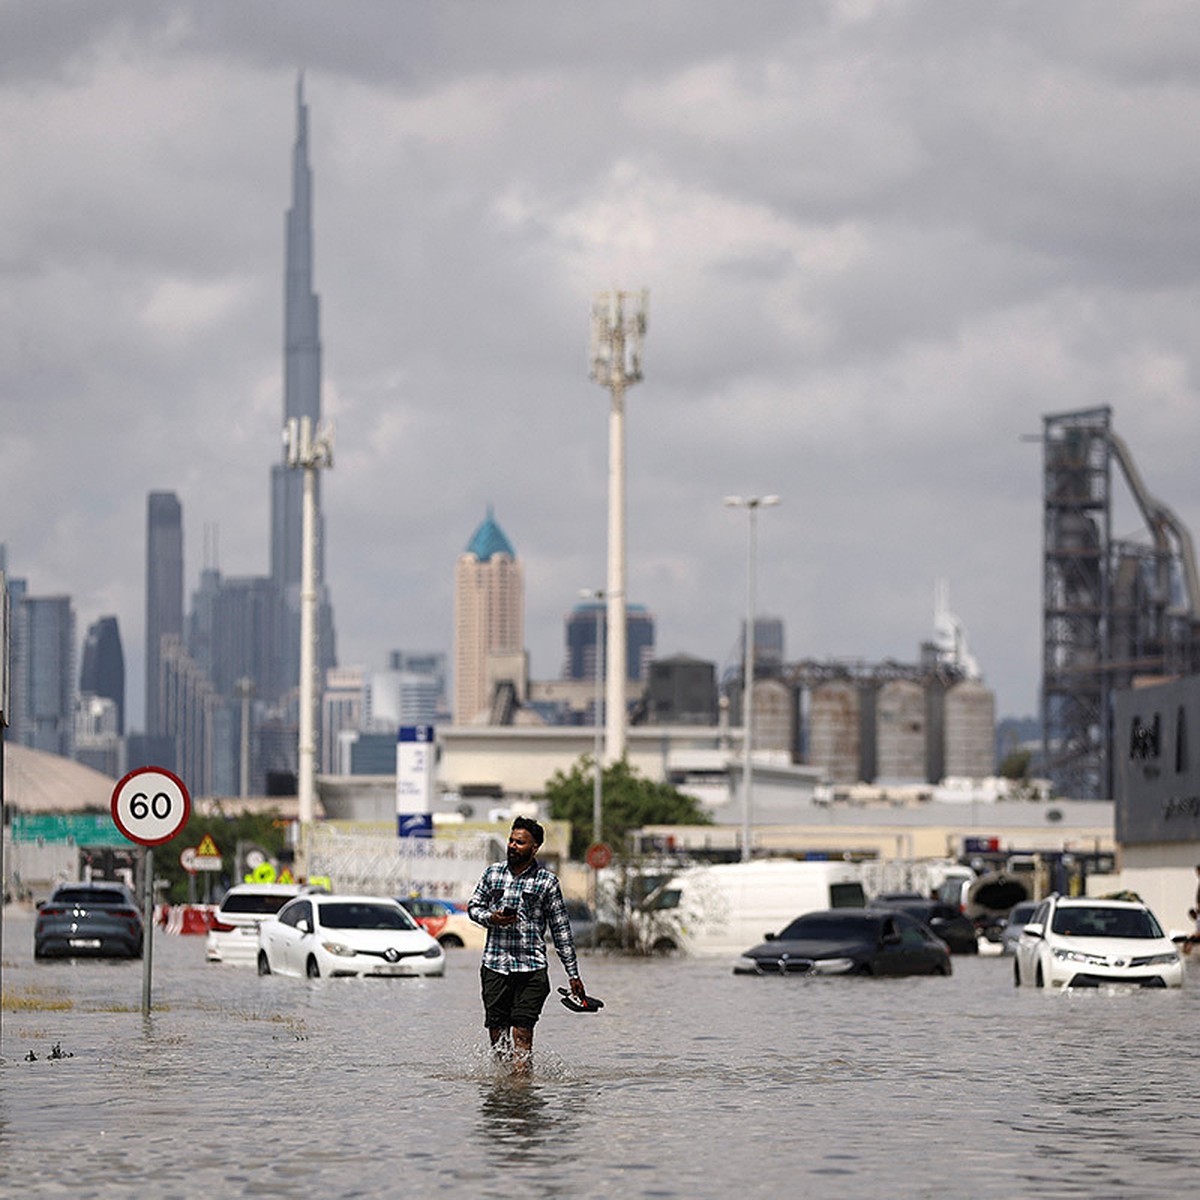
pixel 233 935
pixel 1079 942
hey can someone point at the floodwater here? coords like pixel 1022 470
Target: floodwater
pixel 690 1083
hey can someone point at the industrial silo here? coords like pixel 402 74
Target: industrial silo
pixel 900 732
pixel 970 731
pixel 834 730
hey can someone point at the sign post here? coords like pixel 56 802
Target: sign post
pixel 416 757
pixel 150 806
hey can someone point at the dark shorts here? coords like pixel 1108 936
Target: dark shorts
pixel 515 999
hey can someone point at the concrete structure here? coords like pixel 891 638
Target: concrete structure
pixel 682 691
pixel 1156 752
pixel 489 623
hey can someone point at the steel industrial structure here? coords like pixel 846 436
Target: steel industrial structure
pixel 1114 611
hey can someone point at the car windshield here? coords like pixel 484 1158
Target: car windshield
pixel 361 914
pixel 1101 921
pixel 820 927
pixel 254 902
pixel 85 895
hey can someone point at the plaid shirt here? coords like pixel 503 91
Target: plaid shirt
pixel 537 897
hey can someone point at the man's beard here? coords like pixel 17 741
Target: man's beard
pixel 517 858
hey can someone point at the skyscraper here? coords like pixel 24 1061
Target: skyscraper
pixel 102 672
pixel 580 632
pixel 164 593
pixel 301 398
pixel 45 644
pixel 489 621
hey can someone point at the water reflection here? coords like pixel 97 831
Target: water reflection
pixel 516 1112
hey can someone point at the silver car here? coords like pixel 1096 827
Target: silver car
pixel 1018 917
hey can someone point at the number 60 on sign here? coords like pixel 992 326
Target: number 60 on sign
pixel 150 805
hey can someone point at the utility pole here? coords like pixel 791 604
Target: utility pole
pixel 751 504
pixel 245 689
pixel 308 450
pixel 618 329
pixel 598 705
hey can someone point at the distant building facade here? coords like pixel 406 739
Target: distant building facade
pixel 301 399
pixel 102 671
pixel 489 622
pixel 43 678
pixel 583 653
pixel 164 593
pixel 682 691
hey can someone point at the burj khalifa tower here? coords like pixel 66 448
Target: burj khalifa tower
pixel 301 398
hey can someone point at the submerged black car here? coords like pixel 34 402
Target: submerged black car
pixel 849 941
pixel 957 931
pixel 96 919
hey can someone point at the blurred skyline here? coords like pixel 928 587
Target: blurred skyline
pixel 881 241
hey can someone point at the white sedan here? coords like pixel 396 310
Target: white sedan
pixel 1079 942
pixel 327 936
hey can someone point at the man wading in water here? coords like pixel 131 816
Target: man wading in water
pixel 516 901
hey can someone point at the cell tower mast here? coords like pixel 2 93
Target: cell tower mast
pixel 618 328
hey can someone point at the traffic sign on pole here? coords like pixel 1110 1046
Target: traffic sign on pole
pixel 151 805
pixel 598 856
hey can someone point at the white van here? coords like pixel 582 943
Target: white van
pixel 729 907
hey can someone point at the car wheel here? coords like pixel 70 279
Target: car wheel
pixel 264 963
pixel 663 945
pixel 451 941
pixel 1016 975
pixel 1038 980
pixel 311 969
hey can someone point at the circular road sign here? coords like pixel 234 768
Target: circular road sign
pixel 150 805
pixel 187 860
pixel 598 856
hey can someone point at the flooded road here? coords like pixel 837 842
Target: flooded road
pixel 690 1083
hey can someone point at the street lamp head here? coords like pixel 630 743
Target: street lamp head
pixel 752 501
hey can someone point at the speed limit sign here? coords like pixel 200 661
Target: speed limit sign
pixel 151 805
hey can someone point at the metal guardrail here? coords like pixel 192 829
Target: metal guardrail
pixel 383 864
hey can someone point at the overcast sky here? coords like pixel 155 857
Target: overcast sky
pixel 881 242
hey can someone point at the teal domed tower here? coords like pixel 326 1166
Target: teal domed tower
pixel 489 623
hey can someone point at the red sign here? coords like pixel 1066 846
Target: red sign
pixel 598 856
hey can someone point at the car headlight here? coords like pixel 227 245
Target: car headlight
pixel 1157 960
pixel 745 966
pixel 433 952
pixel 1077 956
pixel 339 948
pixel 832 966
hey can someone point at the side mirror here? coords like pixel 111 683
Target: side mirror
pixel 1038 930
pixel 769 937
pixel 304 925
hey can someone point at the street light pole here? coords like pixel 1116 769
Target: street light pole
pixel 598 705
pixel 751 504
